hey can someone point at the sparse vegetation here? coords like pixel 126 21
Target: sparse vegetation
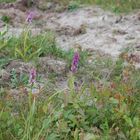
pixel 116 6
pixel 5 19
pixel 7 1
pixel 93 97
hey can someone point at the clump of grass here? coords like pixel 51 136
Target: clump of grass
pixel 73 5
pixel 27 46
pixel 5 19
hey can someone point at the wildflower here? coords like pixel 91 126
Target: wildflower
pixel 32 77
pixel 30 17
pixel 75 62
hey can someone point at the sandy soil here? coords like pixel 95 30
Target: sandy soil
pixel 88 27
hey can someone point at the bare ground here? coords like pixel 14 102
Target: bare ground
pixel 87 27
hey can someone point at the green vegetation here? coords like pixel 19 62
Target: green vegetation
pixel 7 1
pixel 28 47
pixel 116 6
pixel 101 100
pixel 103 109
pixel 5 19
pixel 73 5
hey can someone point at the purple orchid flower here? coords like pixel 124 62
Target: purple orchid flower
pixel 75 62
pixel 30 17
pixel 32 77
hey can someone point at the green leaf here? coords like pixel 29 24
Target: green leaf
pixel 46 123
pixel 45 108
pixel 52 136
pixel 114 101
pixel 19 53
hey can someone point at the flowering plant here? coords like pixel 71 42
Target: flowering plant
pixel 32 77
pixel 75 62
pixel 30 17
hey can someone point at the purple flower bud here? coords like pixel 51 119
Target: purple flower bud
pixel 32 77
pixel 75 62
pixel 30 17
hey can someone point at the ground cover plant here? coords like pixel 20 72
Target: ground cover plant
pixel 48 93
pixel 91 109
